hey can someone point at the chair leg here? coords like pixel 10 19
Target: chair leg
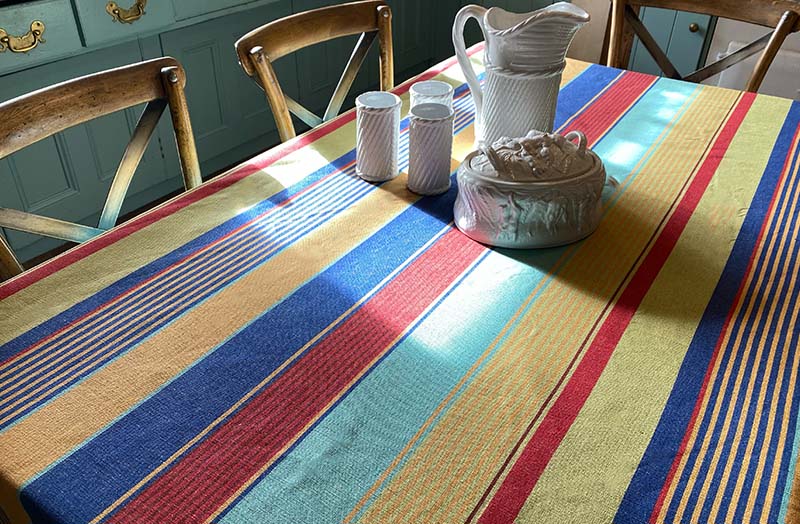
pixel 275 97
pixel 616 38
pixel 386 50
pixel 9 265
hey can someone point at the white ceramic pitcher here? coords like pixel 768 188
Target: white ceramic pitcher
pixel 524 58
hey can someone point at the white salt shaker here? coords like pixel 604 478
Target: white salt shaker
pixel 432 92
pixel 377 135
pixel 430 146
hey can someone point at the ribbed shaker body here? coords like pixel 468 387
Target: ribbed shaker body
pixel 430 147
pixel 377 135
pixel 515 103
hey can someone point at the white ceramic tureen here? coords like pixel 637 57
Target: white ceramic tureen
pixel 542 190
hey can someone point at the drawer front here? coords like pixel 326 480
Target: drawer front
pixel 189 8
pixel 21 22
pixel 135 17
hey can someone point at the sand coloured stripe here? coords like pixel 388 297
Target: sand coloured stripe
pixel 758 311
pixel 782 317
pixel 683 455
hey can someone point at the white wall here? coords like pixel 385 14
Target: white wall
pixel 783 78
pixel 588 42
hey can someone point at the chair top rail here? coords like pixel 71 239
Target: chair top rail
pixel 39 114
pixel 284 36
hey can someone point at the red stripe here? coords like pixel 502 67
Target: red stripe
pixel 258 163
pixel 213 471
pixel 717 348
pixel 611 105
pixel 524 474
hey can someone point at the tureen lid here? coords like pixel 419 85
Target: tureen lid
pixel 536 157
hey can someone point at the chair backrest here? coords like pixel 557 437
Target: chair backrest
pixel 781 15
pixel 262 46
pixel 43 113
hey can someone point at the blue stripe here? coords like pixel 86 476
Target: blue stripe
pixel 645 486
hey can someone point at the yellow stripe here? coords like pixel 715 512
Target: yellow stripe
pixel 591 470
pixel 717 408
pixel 47 434
pixel 487 418
pixel 748 401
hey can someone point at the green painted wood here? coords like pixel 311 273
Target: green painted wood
pixel 68 176
pixel 226 107
pixel 99 27
pixel 188 8
pixel 60 35
pixel 671 30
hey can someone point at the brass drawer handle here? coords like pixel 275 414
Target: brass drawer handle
pixel 24 43
pixel 126 16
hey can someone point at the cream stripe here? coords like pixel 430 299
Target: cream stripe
pixel 695 429
pixel 592 468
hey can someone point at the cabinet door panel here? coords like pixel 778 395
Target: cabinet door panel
pixel 226 107
pixel 412 34
pixel 98 26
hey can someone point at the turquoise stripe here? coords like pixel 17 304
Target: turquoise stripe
pixel 789 482
pixel 362 435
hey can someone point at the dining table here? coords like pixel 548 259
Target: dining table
pixel 288 343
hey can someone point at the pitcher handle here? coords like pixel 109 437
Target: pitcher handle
pixel 467 12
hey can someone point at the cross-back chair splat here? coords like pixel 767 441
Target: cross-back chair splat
pixel 258 49
pixel 781 15
pixel 29 118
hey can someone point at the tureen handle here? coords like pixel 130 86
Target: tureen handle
pixel 581 140
pixel 494 158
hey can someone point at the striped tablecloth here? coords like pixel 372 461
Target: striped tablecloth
pixel 290 344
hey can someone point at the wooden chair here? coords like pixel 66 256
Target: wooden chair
pixel 259 48
pixel 38 115
pixel 781 15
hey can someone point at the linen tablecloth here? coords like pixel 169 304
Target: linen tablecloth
pixel 289 343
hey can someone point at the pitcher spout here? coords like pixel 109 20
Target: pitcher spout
pixel 534 42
